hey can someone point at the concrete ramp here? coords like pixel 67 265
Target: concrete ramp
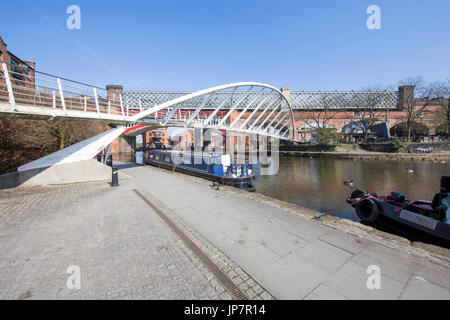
pixel 84 150
pixel 73 172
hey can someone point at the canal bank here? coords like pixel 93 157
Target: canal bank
pixel 294 252
pixel 433 157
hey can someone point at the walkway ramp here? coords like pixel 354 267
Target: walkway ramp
pixel 84 150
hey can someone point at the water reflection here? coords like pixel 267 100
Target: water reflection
pixel 317 183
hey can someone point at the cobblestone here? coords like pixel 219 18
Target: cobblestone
pixel 250 293
pixel 225 296
pixel 123 249
pixel 237 281
pixel 266 296
pixel 258 289
pixel 243 286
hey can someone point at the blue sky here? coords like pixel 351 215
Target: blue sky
pixel 190 45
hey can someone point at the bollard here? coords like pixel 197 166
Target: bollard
pixel 115 177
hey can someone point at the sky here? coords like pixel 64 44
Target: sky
pixel 193 45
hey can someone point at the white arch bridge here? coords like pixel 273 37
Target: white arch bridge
pixel 244 107
pixel 259 109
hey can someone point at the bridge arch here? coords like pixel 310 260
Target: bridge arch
pixel 248 107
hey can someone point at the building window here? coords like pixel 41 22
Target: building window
pixel 16 71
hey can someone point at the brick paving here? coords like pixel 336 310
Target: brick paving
pixel 124 250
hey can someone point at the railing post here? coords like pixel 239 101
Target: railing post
pixel 96 101
pixel 85 104
pixel 61 95
pixel 109 106
pixel 121 104
pixel 54 99
pixel 12 101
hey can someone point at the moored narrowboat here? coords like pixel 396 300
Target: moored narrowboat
pixel 217 168
pixel 418 220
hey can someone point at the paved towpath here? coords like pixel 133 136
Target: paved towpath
pixel 291 255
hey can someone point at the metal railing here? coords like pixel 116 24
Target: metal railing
pixel 261 109
pixel 48 91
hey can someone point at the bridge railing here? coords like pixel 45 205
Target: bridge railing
pixel 21 85
pixel 245 106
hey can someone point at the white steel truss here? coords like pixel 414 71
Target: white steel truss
pixel 248 107
pixel 227 107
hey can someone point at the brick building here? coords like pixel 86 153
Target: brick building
pixel 156 138
pixel 22 72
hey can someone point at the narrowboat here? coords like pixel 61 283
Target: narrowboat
pixel 417 220
pixel 217 168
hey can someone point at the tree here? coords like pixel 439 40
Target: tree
pixel 441 94
pixel 365 111
pixel 321 113
pixel 23 140
pixel 9 142
pixel 415 103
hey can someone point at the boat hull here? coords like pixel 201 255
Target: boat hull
pixel 399 219
pixel 245 183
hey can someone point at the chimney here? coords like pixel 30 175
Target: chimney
pixel 114 91
pixel 286 91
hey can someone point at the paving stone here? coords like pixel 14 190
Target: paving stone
pixel 225 296
pixel 250 293
pixel 418 288
pixel 324 292
pixel 237 280
pixel 243 286
pixel 351 281
pixel 266 296
pixel 258 289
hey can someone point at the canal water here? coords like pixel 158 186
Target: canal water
pixel 317 183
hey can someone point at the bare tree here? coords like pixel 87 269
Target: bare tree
pixel 321 113
pixel 441 95
pixel 365 111
pixel 23 140
pixel 414 104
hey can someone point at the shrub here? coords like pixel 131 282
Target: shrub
pixel 398 145
pixel 327 136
